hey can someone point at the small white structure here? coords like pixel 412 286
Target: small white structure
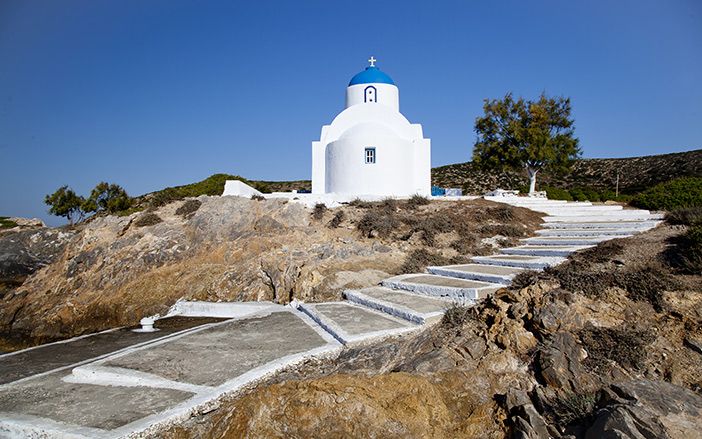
pixel 239 189
pixel 370 148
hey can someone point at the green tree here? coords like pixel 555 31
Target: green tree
pixel 107 197
pixel 531 135
pixel 64 202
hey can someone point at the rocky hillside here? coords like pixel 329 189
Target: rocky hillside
pixel 112 271
pixel 635 174
pixel 607 345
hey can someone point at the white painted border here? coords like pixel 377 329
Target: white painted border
pixel 504 279
pixel 340 334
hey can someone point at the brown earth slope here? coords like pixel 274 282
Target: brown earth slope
pixel 635 174
pixel 112 271
pixel 600 358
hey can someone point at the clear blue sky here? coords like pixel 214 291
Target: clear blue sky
pixel 155 93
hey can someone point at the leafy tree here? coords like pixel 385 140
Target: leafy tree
pixel 532 135
pixel 107 197
pixel 64 202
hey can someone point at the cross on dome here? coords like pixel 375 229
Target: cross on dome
pixel 372 61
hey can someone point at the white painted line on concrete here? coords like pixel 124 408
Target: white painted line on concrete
pixel 216 309
pixel 68 340
pixel 123 377
pixel 20 426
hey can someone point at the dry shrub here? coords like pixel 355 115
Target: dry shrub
pixel 457 315
pixel 525 279
pixel 573 408
pixel 646 284
pixel 361 204
pixel 624 345
pixel 418 260
pixel 687 217
pixel 389 205
pixel 429 226
pixel 416 201
pixel 577 277
pixel 147 219
pixel 257 197
pixel 509 230
pixel 465 244
pixel 319 211
pixel 685 255
pixel 187 209
pixel 500 214
pixel 377 222
pixel 602 252
pixel 337 219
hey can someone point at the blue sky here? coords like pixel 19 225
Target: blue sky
pixel 154 93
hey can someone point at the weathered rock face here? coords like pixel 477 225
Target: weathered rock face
pixel 24 252
pixel 644 408
pixel 112 271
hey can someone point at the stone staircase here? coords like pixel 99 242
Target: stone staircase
pixel 403 303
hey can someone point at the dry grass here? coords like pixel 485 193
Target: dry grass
pixel 337 219
pixel 188 209
pixel 319 210
pixel 147 219
pixel 418 260
pixel 623 345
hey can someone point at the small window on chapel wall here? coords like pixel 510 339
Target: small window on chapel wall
pixel 370 155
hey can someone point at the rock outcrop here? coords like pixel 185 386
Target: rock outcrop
pixel 111 271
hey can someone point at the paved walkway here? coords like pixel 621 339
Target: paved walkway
pixel 121 383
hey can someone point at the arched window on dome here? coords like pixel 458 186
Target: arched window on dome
pixel 370 94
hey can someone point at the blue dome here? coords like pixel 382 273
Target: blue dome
pixel 371 75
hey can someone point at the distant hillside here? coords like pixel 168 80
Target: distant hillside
pixel 635 174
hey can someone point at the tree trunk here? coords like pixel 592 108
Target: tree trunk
pixel 532 180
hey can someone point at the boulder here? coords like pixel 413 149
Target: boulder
pixel 648 409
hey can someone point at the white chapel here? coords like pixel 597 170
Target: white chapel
pixel 370 148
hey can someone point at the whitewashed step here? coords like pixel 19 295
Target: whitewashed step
pixel 525 200
pixel 608 213
pixel 611 232
pixel 575 210
pixel 479 272
pixel 351 323
pixel 639 224
pixel 519 261
pixel 409 306
pixel 564 240
pixel 600 218
pixel 545 250
pixel 441 286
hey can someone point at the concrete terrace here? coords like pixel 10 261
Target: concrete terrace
pixel 120 383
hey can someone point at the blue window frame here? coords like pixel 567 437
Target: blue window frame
pixel 370 155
